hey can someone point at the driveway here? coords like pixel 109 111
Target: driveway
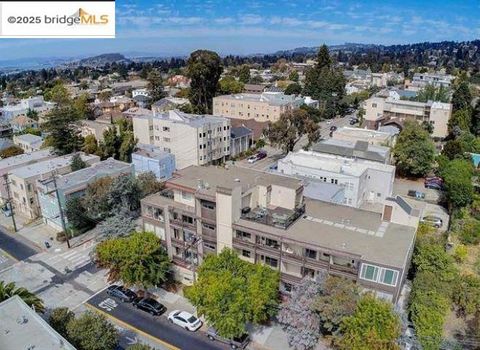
pixel 402 186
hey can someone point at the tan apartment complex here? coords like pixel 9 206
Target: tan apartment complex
pixel 381 111
pixel 264 107
pixel 193 139
pixel 265 218
pixel 23 181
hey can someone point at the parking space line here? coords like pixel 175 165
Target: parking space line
pixel 126 325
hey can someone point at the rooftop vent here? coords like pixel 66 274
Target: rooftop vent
pixel 237 180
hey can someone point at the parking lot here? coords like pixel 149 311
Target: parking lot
pixel 169 335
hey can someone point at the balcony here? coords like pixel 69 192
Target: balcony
pixel 277 217
pixel 179 220
pixel 243 242
pixel 209 232
pixel 208 214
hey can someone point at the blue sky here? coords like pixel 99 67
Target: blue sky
pixel 172 27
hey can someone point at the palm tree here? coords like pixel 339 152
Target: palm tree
pixel 8 290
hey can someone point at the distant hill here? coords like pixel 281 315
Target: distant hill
pixel 313 50
pixel 101 60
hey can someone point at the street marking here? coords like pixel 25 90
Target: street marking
pixel 135 329
pixel 10 256
pixel 108 304
pixel 132 341
pixel 90 297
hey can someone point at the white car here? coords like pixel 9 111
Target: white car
pixel 252 159
pixel 329 122
pixel 185 319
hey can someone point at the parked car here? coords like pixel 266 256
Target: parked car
pixel 329 122
pixel 150 305
pixel 434 185
pixel 353 121
pixel 252 159
pixel 185 319
pixel 434 179
pixel 416 194
pixel 261 155
pixel 235 343
pixel 432 220
pixel 121 293
pixel 333 128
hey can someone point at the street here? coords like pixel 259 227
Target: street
pixel 16 246
pixel 171 336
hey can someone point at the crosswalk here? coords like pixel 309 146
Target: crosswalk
pixel 71 259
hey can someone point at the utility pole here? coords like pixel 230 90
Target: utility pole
pixel 195 243
pixel 60 209
pixel 9 201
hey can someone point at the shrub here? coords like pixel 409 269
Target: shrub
pixel 460 253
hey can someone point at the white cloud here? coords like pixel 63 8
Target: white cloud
pixel 251 19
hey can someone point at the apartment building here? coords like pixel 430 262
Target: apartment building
pixel 380 111
pixel 420 80
pixel 149 158
pixel 74 184
pixel 372 137
pixel 35 103
pixel 264 107
pixel 365 182
pixel 23 181
pixel 28 142
pixel 193 139
pixel 9 164
pixel 265 218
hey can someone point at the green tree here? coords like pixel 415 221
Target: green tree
pixel 460 120
pixel 462 97
pixel 96 200
pixel 457 176
pixel 105 95
pixel 289 129
pixel 467 294
pixel 229 85
pixel 92 331
pixel 293 76
pixel 58 94
pixel 374 325
pixel 337 299
pixel 62 127
pixel 8 290
pixel 82 107
pixel 155 85
pixel 125 193
pixel 293 89
pixel 204 69
pixel 111 143
pixel 138 259
pixel 414 151
pixel 32 114
pixel 11 151
pixel 430 256
pixel 244 74
pixel 90 145
pixel 77 162
pixel 325 83
pixel 59 318
pixel 431 93
pixel 476 119
pixel 230 293
pixel 77 216
pixel 149 184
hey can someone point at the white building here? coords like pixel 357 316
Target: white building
pixel 140 92
pixel 420 80
pixel 35 103
pixel 28 142
pixel 365 182
pixel 193 139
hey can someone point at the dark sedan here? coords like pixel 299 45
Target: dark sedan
pixel 150 305
pixel 121 293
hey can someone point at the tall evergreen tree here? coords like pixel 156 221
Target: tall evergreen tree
pixel 462 97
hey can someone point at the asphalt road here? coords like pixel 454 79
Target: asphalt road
pixel 158 327
pixel 15 246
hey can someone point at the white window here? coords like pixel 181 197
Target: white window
pixel 379 274
pixel 187 196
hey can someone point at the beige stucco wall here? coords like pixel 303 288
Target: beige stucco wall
pixel 283 197
pixel 439 117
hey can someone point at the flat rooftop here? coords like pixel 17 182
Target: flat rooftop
pixel 349 230
pixel 106 168
pixel 177 116
pixel 332 163
pixel 22 329
pixel 151 151
pixel 47 166
pixel 25 158
pixel 29 138
pixel 210 177
pixel 362 133
pixel 359 149
pixel 272 98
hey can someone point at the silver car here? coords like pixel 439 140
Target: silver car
pixel 432 220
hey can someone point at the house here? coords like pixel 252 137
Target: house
pixel 179 81
pixel 169 103
pixel 11 163
pixel 193 139
pixel 74 184
pixel 136 111
pixel 23 181
pixel 21 122
pixel 241 139
pixel 35 103
pixel 28 142
pixel 95 127
pixel 353 150
pixel 150 158
pixel 373 137
pixel 421 80
pixel 140 92
pixel 266 219
pixel 365 182
pixel 253 88
pixel 264 107
pixel 381 111
pixel 142 101
pixel 23 328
